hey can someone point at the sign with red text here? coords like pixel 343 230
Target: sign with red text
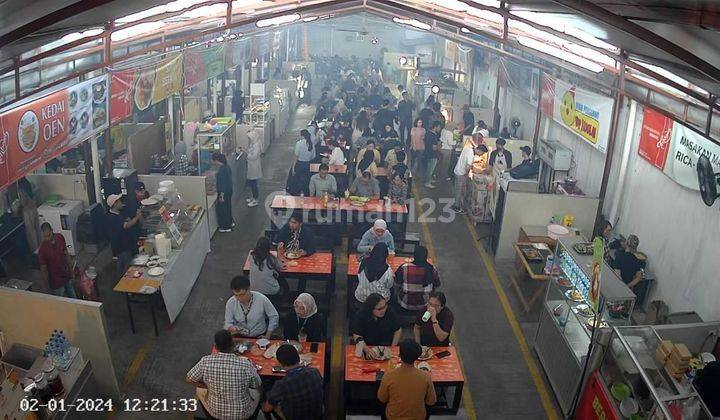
pixel 674 148
pixel 121 94
pixel 586 114
pixel 36 132
pixel 596 403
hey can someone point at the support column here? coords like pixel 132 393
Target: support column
pixel 96 166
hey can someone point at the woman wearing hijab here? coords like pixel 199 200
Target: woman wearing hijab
pixel 415 281
pixel 366 164
pixel 304 320
pixel 374 275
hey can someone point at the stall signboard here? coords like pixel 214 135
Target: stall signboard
pixel 168 78
pixel 661 137
pixel 203 64
pixel 122 83
pixel 595 403
pixel 586 114
pixel 36 132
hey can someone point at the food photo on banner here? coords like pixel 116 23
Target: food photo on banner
pixel 33 133
pixel 674 148
pixel 587 114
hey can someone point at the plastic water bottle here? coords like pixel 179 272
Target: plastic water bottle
pixel 549 263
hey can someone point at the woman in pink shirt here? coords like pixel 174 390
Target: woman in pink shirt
pixel 417 143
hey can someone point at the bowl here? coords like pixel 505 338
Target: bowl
pixel 556 231
pixel 619 391
pixel 263 342
pixel 628 407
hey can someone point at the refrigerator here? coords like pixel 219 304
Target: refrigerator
pixel 62 216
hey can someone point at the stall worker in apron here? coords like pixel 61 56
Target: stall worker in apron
pixel 500 158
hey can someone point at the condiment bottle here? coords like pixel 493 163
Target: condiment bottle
pixel 55 384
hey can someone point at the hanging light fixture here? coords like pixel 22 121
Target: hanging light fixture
pixel 435 89
pixel 403 61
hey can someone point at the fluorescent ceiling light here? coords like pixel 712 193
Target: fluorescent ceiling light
pixel 486 14
pixel 451 4
pixel 465 30
pixel 590 54
pixel 310 18
pixel 74 36
pixel 263 23
pixel 136 30
pixel 561 54
pixel 674 77
pixel 412 22
pixel 562 25
pixel 211 10
pixel 489 3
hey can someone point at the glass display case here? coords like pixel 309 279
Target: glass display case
pixel 567 317
pixel 630 366
pixel 222 140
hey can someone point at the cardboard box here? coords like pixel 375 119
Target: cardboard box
pixel 682 352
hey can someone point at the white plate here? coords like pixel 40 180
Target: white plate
pixel 156 271
pixel 152 263
pixel 141 259
pixel 162 261
pixel 271 351
pixel 262 342
pixel 149 202
pixel 148 290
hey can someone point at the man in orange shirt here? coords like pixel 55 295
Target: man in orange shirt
pixel 407 390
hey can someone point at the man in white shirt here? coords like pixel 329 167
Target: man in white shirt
pixel 462 172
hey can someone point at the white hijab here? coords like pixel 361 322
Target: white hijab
pixel 308 302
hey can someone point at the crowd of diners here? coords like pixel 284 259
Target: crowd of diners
pixel 354 125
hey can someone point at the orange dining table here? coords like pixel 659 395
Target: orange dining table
pixel 445 372
pixel 333 169
pixel 256 356
pixel 140 287
pixel 337 212
pixel 319 266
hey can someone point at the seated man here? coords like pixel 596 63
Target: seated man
pixel 248 313
pixel 299 394
pixel 295 237
pixel 225 382
pixel 366 186
pixel 322 182
pixel 378 233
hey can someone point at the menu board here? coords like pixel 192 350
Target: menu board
pixel 36 132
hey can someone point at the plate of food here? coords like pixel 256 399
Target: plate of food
pixel 427 353
pixel 590 322
pixel 532 254
pixel 152 263
pixel 564 282
pixel 271 351
pixel 380 353
pixel 141 259
pixel 149 202
pixel 156 271
pixel 143 90
pixel 583 248
pixel 583 310
pixel 293 255
pixel 574 295
pixel 99 92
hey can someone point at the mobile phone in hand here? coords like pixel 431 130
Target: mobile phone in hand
pixel 379 375
pixel 278 369
pixel 442 354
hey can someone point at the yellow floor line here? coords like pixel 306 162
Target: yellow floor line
pixel 545 398
pixel 466 395
pixel 135 365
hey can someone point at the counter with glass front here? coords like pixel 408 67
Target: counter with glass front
pixel 630 364
pixel 567 317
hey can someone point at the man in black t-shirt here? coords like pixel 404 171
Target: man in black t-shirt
pixel 626 263
pixel 121 230
pixel 432 147
pixel 468 121
pixel 405 109
pixel 385 116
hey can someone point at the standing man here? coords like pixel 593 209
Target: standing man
pixel 299 394
pixel 249 314
pixel 468 121
pixel 385 116
pixel 405 110
pixel 55 262
pixel 406 389
pixel 226 384
pixel 462 173
pixel 121 231
pixel 432 147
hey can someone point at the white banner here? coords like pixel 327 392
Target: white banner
pixel 586 114
pixel 686 147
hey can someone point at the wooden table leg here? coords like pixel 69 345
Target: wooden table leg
pixel 538 293
pixel 132 322
pixel 516 286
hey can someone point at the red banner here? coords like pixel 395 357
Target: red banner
pixel 595 403
pixel 194 68
pixel 121 94
pixel 34 133
pixel 547 96
pixel 655 136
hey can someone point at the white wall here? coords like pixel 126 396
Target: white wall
pixel 511 106
pixel 680 235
